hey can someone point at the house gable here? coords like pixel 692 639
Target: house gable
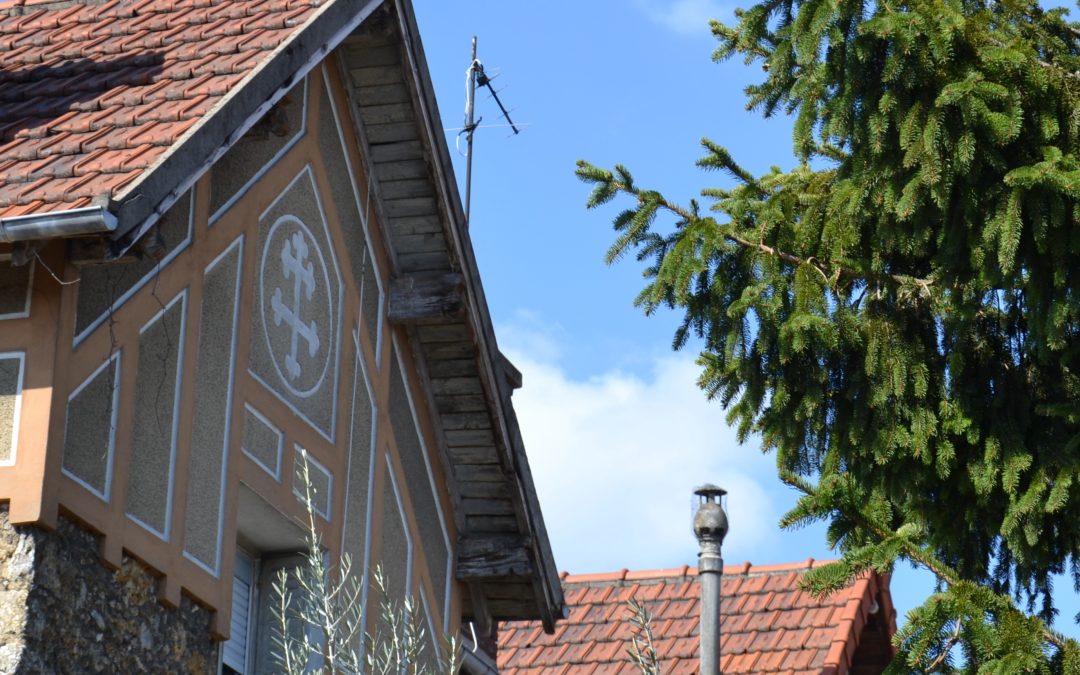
pixel 257 327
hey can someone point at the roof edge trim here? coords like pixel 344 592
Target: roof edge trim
pixel 51 224
pixel 147 200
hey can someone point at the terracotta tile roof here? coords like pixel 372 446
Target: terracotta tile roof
pixel 92 93
pixel 768 625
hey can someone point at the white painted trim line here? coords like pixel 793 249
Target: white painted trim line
pixel 29 291
pixel 138 285
pixel 276 472
pixel 404 523
pixel 17 412
pixel 336 324
pixel 103 495
pixel 237 244
pixel 430 474
pixel 243 190
pixel 368 255
pixel 359 372
pixel 368 520
pixel 181 297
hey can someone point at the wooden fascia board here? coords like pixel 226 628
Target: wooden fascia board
pixel 141 205
pixel 546 583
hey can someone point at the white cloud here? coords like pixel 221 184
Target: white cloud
pixel 683 16
pixel 616 456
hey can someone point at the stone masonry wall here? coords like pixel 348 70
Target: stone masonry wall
pixel 62 611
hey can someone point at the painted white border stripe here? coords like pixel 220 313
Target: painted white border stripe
pixel 25 312
pixel 431 482
pixel 368 256
pixel 331 434
pixel 101 494
pixel 275 473
pixel 181 297
pixel 239 194
pixel 368 520
pixel 237 244
pixel 404 524
pixel 137 286
pixel 17 411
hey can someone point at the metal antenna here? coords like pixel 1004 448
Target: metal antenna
pixel 477 77
pixel 470 129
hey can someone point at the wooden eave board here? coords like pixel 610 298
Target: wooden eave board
pixel 494 492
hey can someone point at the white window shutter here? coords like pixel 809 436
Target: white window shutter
pixel 236 650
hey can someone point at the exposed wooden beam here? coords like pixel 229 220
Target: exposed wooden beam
pixel 487 557
pixel 420 298
pixel 510 371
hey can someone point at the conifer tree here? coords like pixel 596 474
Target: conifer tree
pixel 897 318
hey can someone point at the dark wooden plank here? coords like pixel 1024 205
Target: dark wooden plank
pixel 457 385
pixel 481 473
pixel 403 170
pixel 452 368
pixel 466 421
pixel 524 607
pixel 473 455
pixel 389 113
pixel 413 225
pixel 507 589
pixel 391 133
pixel 380 94
pixel 460 404
pixel 487 557
pixel 470 437
pixel 419 206
pixel 364 54
pixel 486 507
pixel 498 524
pixel 407 189
pixel 453 333
pixel 419 298
pixel 394 152
pixel 424 262
pixel 449 350
pixel 478 490
pixel 431 242
pixel 373 75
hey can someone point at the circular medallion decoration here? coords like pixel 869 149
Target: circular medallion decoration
pixel 297 308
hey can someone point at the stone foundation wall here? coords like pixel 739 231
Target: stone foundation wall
pixel 62 611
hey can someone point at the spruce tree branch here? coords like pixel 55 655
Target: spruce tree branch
pixel 917 554
pixel 827 270
pixel 952 642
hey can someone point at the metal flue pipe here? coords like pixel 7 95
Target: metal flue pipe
pixel 710 528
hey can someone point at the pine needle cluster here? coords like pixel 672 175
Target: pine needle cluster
pixel 897 317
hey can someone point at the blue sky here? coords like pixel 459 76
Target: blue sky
pixel 616 430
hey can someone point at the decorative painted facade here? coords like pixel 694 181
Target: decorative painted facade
pixel 254 292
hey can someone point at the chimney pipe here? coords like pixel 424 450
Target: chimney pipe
pixel 710 527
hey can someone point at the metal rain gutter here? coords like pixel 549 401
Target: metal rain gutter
pixel 74 222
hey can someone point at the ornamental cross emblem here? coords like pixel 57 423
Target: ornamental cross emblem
pixel 295 265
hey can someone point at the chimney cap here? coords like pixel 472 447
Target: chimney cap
pixel 708 491
pixel 710 521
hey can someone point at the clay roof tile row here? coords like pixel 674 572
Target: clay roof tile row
pixel 768 625
pixel 92 93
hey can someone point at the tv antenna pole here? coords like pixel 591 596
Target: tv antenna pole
pixel 476 77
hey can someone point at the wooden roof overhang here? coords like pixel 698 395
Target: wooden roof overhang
pixel 503 552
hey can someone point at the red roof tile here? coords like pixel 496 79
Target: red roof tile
pixel 127 77
pixel 768 625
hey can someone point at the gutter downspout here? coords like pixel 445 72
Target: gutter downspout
pixel 710 527
pixel 55 224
